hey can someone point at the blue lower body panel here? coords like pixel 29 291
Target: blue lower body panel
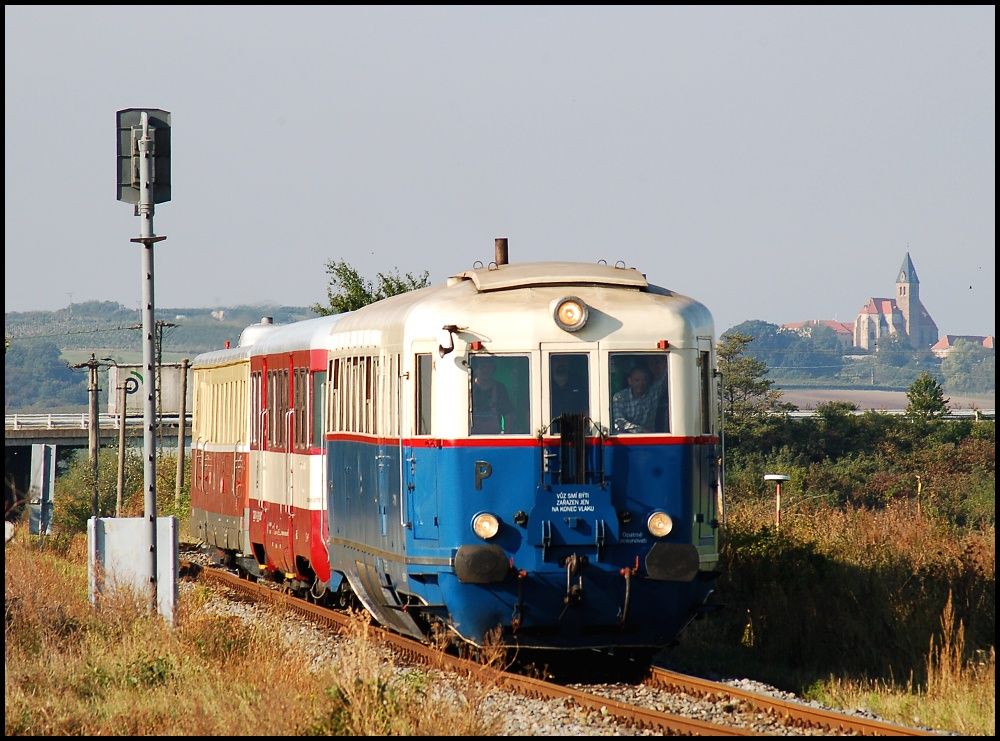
pixel 538 611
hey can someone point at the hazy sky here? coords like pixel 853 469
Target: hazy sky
pixel 774 163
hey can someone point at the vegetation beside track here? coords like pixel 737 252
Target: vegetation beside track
pixel 74 671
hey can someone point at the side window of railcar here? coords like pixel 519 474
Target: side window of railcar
pixel 638 390
pixel 277 406
pixel 318 396
pixel 300 404
pixel 272 409
pixel 500 395
pixel 339 382
pixel 424 394
pixel 256 433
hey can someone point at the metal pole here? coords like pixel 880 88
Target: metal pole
pixel 122 396
pixel 147 239
pixel 137 177
pixel 777 506
pixel 92 436
pixel 181 430
pixel 158 355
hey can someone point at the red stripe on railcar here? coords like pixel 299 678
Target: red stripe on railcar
pixel 520 442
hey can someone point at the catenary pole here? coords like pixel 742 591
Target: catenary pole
pixel 181 431
pixel 92 434
pixel 122 398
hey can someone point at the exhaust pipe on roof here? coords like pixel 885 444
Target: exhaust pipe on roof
pixel 501 251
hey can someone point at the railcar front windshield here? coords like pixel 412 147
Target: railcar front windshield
pixel 638 390
pixel 569 387
pixel 500 399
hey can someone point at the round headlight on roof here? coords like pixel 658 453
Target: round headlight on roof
pixel 570 313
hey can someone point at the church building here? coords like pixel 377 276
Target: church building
pixel 902 315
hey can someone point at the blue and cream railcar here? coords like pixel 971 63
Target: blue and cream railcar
pixel 463 488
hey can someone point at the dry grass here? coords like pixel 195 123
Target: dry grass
pixel 861 537
pixel 71 670
pixel 373 697
pixel 958 694
pixel 888 609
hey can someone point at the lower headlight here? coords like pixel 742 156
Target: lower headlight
pixel 659 524
pixel 485 525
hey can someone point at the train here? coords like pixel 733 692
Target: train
pixel 426 458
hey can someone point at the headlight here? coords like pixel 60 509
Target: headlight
pixel 570 313
pixel 485 525
pixel 659 524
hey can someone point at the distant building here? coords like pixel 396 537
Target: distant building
pixel 943 347
pixel 903 315
pixel 842 330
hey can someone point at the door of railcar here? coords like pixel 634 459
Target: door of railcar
pixel 706 514
pixel 318 425
pixel 298 435
pixel 275 473
pixel 571 384
pixel 385 421
pixel 258 444
pixel 569 388
pixel 420 452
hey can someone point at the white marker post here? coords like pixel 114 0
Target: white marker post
pixel 777 478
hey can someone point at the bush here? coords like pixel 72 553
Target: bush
pixel 834 577
pixel 883 517
pixel 73 504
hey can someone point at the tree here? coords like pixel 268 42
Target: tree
pixel 35 375
pixel 759 331
pixel 926 398
pixel 827 351
pixel 348 290
pixel 746 393
pixel 769 343
pixel 969 368
pixel 791 355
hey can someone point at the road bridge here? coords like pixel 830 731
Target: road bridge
pixel 34 443
pixel 73 430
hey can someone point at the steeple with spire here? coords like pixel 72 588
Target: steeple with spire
pixel 903 315
pixel 908 291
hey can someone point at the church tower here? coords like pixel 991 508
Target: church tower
pixel 907 291
pixel 919 327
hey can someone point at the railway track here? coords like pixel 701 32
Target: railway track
pixel 792 713
pixel 742 712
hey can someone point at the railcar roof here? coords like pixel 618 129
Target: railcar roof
pixel 221 357
pixel 520 274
